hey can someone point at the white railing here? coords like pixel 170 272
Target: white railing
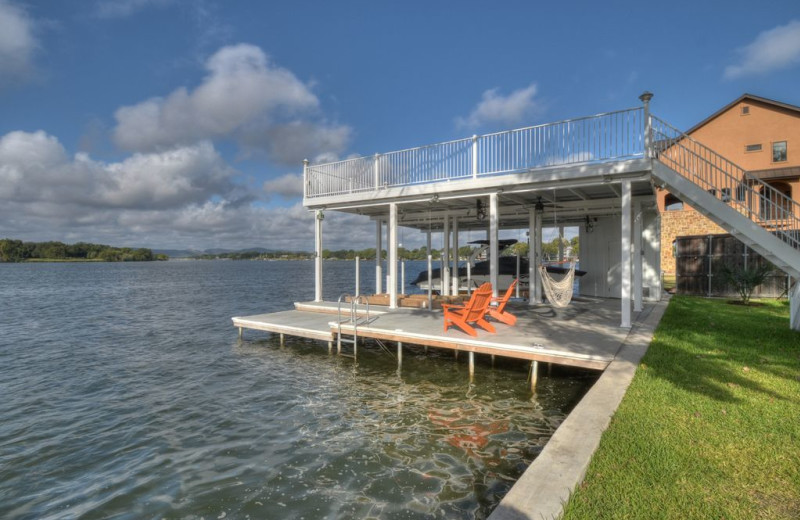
pixel 752 197
pixel 603 137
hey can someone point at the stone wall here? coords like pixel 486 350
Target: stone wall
pixel 680 223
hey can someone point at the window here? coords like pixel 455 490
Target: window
pixel 745 110
pixel 752 148
pixel 779 151
pixel 672 203
pixel 725 194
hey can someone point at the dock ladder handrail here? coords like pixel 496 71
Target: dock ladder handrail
pixel 354 319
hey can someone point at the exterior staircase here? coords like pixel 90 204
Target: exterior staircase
pixel 760 216
pixel 748 208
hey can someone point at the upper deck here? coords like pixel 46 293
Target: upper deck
pixel 566 155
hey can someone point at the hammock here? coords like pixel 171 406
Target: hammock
pixel 559 293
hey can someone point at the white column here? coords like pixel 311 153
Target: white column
pixel 560 243
pixel 625 254
pixel 393 255
pixel 318 255
pixel 538 254
pixel 454 272
pixel 638 293
pixel 378 257
pixel 533 276
pixel 494 253
pixel 444 276
pixel 794 306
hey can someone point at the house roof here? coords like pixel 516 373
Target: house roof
pixel 738 100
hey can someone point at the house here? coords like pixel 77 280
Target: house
pixel 760 135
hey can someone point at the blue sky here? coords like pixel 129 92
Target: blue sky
pixel 182 124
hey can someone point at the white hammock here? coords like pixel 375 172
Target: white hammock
pixel 559 293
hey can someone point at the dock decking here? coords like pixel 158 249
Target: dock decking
pixel 585 334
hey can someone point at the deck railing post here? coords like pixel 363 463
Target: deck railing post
pixel 377 171
pixel 474 156
pixel 648 125
pixel 305 178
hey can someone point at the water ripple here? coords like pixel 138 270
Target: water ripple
pixel 125 396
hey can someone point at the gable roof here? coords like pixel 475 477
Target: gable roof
pixel 738 100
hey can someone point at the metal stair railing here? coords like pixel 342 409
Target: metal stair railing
pixel 727 181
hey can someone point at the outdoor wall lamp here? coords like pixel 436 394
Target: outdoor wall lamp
pixel 589 224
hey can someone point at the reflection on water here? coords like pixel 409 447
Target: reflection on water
pixel 126 395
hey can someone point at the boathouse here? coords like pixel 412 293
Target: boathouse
pixel 599 173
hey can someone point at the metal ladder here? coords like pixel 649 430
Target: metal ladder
pixel 353 318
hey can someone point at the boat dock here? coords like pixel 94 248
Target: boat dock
pixel 585 334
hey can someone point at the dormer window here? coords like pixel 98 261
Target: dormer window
pixel 745 110
pixel 779 151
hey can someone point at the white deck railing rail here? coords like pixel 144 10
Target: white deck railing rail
pixel 598 138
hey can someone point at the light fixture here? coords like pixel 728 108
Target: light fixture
pixel 589 224
pixel 539 207
pixel 435 198
pixel 480 209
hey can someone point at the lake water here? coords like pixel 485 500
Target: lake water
pixel 126 394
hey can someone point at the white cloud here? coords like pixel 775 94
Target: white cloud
pixel 17 43
pixel 34 167
pixel 496 109
pixel 772 50
pixel 287 186
pixel 244 97
pixel 181 198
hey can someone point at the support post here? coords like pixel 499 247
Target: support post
pixel 444 274
pixel 561 244
pixel 534 251
pixel 534 375
pixel 393 255
pixel 638 292
pixel 516 287
pixel 282 341
pixel 430 281
pixel 240 332
pixel 318 255
pixel 454 276
pixel 330 347
pixel 794 306
pixel 471 366
pixel 402 277
pixel 625 255
pixel 399 355
pixel 494 252
pixel 358 276
pixel 378 257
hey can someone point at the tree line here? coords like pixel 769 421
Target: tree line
pixel 549 250
pixel 18 251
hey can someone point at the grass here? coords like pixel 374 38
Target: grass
pixel 710 426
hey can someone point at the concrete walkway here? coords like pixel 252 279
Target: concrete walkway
pixel 546 485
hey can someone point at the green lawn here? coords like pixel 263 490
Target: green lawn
pixel 710 426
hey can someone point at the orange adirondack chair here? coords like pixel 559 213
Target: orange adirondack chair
pixel 473 312
pixel 499 312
